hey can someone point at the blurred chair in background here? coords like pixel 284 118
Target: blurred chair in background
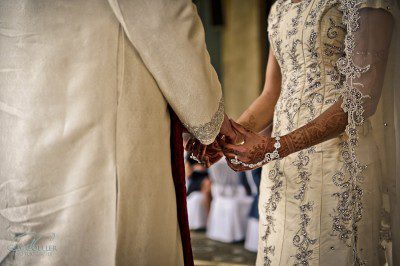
pixel 230 205
pixel 251 242
pixel 199 195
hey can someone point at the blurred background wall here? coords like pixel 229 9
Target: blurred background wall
pixel 236 36
pixel 225 225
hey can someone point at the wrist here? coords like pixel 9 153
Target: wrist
pixel 286 147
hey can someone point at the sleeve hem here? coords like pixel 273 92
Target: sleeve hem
pixel 207 133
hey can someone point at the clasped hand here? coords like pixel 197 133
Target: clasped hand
pixel 241 144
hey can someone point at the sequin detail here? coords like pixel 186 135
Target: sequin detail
pixel 275 175
pixel 206 133
pixel 302 239
pixel 349 210
pixel 308 88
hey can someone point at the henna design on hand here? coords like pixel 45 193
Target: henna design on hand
pixel 251 153
pixel 258 152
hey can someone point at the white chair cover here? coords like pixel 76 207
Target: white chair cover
pixel 251 242
pixel 230 206
pixel 196 212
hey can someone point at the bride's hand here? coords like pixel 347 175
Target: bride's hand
pixel 251 151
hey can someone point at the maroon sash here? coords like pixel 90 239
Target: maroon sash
pixel 178 174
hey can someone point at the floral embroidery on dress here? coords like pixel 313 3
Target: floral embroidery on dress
pixel 302 240
pixel 349 210
pixel 334 28
pixel 275 175
pixel 305 92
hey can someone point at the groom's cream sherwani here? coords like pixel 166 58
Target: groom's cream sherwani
pixel 84 127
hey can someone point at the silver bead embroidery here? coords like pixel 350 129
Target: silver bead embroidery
pixel 275 175
pixel 207 132
pixel 302 239
pixel 333 29
pixel 349 210
pixel 289 105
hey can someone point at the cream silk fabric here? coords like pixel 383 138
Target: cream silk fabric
pixel 84 126
pixel 299 195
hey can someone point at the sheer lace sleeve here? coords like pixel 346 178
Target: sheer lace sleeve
pixel 368 58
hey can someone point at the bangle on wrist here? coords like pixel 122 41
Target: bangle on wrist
pixel 285 149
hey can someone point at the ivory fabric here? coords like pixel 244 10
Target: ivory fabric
pixel 299 206
pixel 85 129
pixel 386 124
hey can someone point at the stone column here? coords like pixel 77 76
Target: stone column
pixel 242 54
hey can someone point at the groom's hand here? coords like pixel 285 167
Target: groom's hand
pixel 210 154
pixel 205 154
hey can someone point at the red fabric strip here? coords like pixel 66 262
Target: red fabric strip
pixel 178 174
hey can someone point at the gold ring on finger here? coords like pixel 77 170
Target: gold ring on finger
pixel 240 143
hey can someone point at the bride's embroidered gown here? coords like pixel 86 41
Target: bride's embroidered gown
pixel 301 215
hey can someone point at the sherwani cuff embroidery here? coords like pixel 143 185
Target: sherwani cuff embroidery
pixel 207 132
